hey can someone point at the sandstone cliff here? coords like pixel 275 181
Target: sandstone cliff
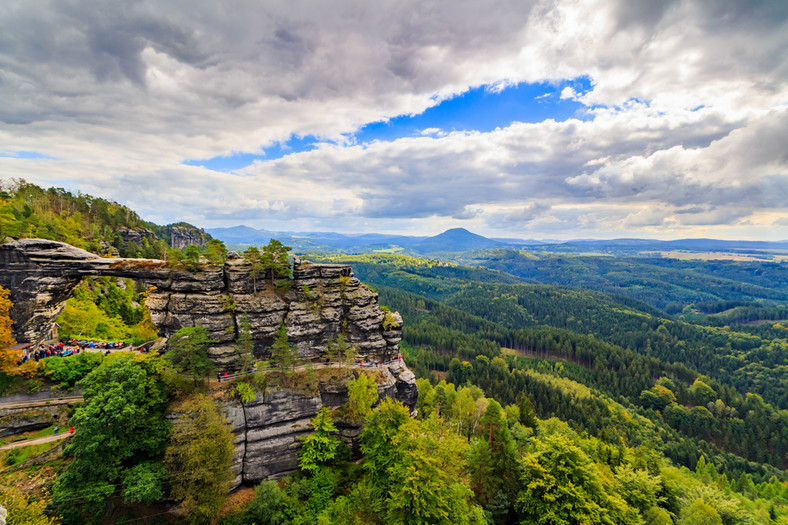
pixel 323 301
pixel 268 428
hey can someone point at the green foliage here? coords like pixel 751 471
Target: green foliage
pixel 23 511
pixel 106 309
pixel 700 513
pixel 245 392
pixel 142 483
pixel 275 260
pixel 363 393
pixel 266 507
pixel 639 489
pixel 319 448
pixel 376 442
pixel 199 459
pixel 118 427
pixel 244 347
pixel 215 252
pixel 427 480
pixel 562 486
pixel 281 351
pixel 390 322
pixel 188 353
pixel 68 370
pixel 253 257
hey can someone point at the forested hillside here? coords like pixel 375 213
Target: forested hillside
pixel 668 284
pixel 98 225
pixel 714 390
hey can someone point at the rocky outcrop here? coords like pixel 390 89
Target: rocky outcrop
pixel 268 428
pixel 136 235
pixel 183 236
pixel 322 301
pixel 29 419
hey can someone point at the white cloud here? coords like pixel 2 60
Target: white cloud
pixel 688 109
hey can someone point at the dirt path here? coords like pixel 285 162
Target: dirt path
pixel 37 441
pixel 44 402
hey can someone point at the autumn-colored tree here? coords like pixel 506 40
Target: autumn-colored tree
pixel 8 357
pixel 22 511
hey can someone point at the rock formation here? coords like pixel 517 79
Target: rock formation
pixel 323 301
pixel 183 236
pixel 268 428
pixel 136 235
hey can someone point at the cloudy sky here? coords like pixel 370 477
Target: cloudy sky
pixel 532 119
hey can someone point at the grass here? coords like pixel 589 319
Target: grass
pixel 15 456
pixel 28 436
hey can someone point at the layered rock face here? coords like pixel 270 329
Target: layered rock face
pixel 323 301
pixel 181 237
pixel 137 235
pixel 267 429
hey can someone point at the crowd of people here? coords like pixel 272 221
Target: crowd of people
pixel 70 347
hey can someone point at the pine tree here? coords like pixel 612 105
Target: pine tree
pixel 244 348
pixel 319 447
pixel 281 352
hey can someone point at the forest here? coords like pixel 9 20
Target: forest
pixel 565 395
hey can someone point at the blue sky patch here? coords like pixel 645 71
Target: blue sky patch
pixel 23 155
pixel 480 109
pixel 483 109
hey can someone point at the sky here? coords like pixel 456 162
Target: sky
pixel 532 119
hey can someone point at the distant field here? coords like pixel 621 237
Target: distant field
pixel 723 256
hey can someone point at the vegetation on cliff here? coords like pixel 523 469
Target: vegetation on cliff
pixel 98 225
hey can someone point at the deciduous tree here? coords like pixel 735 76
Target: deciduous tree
pixel 8 357
pixel 119 426
pixel 199 459
pixel 363 393
pixel 319 447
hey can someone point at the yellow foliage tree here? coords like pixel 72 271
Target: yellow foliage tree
pixel 8 357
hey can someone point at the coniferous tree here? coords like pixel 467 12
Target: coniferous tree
pixel 189 353
pixel 281 351
pixel 244 348
pixel 319 447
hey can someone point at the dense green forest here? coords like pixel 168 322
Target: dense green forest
pixel 668 284
pixel 728 390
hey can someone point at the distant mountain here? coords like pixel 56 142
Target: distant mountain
pixel 240 235
pixel 460 240
pixel 456 240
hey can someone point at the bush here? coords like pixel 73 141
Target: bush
pixel 68 370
